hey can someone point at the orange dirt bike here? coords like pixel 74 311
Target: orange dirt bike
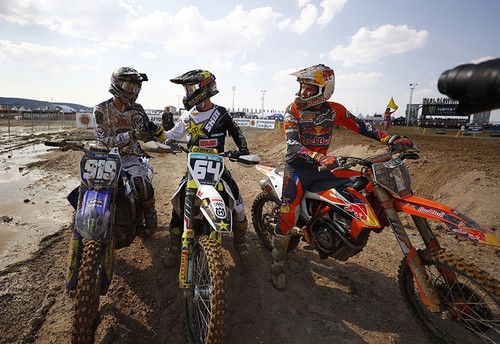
pixel 454 300
pixel 208 215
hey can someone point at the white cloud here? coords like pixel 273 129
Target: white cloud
pixel 54 58
pixel 250 69
pixel 307 19
pixel 368 47
pixel 330 9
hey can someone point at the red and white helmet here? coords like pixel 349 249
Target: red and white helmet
pixel 319 75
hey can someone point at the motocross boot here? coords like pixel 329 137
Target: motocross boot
pixel 240 240
pixel 172 258
pixel 150 216
pixel 280 246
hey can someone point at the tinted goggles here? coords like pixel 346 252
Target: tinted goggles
pixel 130 87
pixel 190 89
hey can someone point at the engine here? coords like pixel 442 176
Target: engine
pixel 328 240
pixel 333 239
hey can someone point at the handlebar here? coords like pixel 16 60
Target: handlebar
pixel 346 162
pixel 66 145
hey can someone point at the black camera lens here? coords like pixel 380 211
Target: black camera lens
pixel 475 86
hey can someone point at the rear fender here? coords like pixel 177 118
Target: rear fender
pixel 273 184
pixel 214 208
pixel 452 220
pixel 93 219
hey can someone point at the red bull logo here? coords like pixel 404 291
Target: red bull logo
pixel 359 210
pixel 316 131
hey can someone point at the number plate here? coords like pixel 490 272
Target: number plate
pixel 100 169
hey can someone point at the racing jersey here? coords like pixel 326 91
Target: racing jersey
pixel 309 131
pixel 114 126
pixel 208 129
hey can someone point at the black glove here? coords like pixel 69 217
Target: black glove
pixel 143 135
pixel 400 143
pixel 150 126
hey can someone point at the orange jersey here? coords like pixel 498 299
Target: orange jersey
pixel 309 131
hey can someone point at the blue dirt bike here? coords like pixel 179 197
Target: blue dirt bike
pixel 107 217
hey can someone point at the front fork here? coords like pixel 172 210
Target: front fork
pixel 428 292
pixel 75 255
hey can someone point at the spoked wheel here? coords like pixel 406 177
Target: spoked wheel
pixel 471 300
pixel 87 293
pixel 206 299
pixel 264 213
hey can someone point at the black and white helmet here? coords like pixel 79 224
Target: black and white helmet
pixel 126 84
pixel 199 85
pixel 319 75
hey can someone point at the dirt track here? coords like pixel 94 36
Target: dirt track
pixel 325 301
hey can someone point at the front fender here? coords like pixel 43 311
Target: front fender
pixel 452 219
pixel 93 218
pixel 214 209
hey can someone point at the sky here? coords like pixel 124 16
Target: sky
pixel 65 51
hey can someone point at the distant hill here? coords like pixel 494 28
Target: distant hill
pixel 33 104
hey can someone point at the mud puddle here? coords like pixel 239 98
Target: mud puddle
pixel 30 207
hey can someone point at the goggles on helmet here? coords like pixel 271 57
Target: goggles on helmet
pixel 190 89
pixel 130 87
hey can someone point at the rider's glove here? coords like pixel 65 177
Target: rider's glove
pixel 329 162
pixel 141 134
pixel 157 130
pixel 399 143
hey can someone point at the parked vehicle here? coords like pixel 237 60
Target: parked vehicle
pixel 106 218
pixel 454 300
pixel 208 215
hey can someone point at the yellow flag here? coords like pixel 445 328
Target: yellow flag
pixel 392 104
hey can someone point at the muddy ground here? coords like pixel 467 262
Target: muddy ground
pixel 325 301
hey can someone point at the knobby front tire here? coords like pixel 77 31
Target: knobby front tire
pixel 87 294
pixel 471 300
pixel 206 299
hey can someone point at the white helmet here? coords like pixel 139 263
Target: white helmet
pixel 319 75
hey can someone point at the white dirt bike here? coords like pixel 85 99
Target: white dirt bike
pixel 208 215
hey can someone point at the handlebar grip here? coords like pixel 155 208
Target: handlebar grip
pixel 52 144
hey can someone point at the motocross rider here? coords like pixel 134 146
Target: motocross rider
pixel 308 123
pixel 206 127
pixel 121 122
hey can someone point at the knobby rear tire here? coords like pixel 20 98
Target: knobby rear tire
pixel 87 294
pixel 472 300
pixel 265 212
pixel 206 299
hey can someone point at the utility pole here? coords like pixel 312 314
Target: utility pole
pixel 263 94
pixel 408 115
pixel 234 90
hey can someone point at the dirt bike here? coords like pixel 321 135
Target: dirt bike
pixel 453 299
pixel 207 213
pixel 106 218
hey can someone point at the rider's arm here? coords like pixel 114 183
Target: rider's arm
pixel 109 132
pixel 179 129
pixel 236 133
pixel 347 120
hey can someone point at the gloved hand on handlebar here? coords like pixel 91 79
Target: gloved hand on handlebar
pixel 329 162
pixel 400 143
